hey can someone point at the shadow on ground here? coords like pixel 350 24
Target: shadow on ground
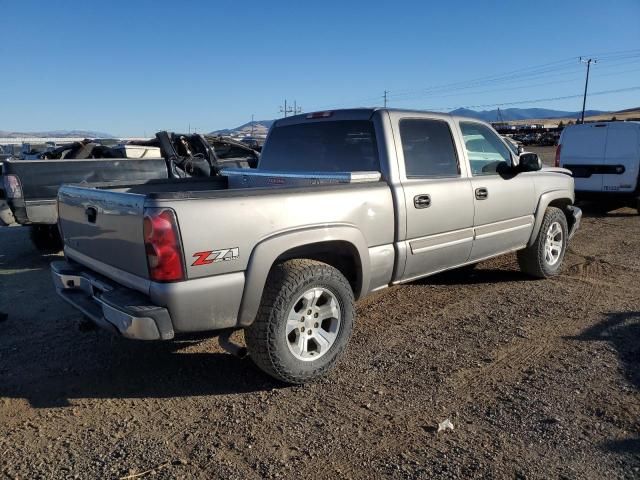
pixel 478 276
pixel 102 366
pixel 604 210
pixel 622 331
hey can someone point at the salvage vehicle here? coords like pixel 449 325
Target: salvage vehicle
pixel 31 186
pixel 604 158
pixel 343 203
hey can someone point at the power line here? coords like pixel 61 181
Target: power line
pixel 571 78
pixel 555 68
pixel 538 100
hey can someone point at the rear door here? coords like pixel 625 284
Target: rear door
pixel 437 195
pixel 503 201
pixel 622 155
pixel 583 152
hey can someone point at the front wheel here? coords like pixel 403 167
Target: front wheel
pixel 544 258
pixel 304 322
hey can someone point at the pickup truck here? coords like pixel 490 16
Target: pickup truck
pixel 343 203
pixel 31 186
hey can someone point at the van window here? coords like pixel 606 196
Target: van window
pixel 336 146
pixel 485 149
pixel 428 148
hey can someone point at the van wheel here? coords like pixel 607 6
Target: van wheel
pixel 304 321
pixel 46 238
pixel 544 258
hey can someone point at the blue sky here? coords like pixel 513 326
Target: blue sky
pixel 134 67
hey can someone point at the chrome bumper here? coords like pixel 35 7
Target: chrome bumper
pixel 109 305
pixel 577 217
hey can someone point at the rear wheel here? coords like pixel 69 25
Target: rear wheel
pixel 304 322
pixel 46 238
pixel 544 258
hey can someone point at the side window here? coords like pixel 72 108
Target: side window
pixel 428 148
pixel 487 153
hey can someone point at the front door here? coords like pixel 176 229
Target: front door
pixel 437 195
pixel 503 199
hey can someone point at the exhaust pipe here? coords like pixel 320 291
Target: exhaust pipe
pixel 231 347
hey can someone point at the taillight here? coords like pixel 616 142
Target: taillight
pixel 12 186
pixel 557 161
pixel 162 244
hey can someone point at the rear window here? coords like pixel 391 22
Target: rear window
pixel 339 146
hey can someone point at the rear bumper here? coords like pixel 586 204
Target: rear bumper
pixel 109 305
pixel 576 213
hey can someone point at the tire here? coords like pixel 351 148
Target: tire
pixel 537 260
pixel 299 354
pixel 46 238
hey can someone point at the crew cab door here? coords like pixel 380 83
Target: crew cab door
pixel 437 196
pixel 504 200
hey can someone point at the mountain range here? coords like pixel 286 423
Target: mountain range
pixel 510 114
pixel 57 133
pixel 260 127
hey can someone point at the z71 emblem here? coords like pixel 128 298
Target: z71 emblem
pixel 214 256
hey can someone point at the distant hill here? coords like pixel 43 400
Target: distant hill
pixel 57 133
pixel 511 114
pixel 260 128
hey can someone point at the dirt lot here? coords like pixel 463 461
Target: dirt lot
pixel 540 379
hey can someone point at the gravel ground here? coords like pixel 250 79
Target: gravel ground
pixel 540 379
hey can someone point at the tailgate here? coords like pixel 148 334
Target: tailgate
pixel 40 179
pixel 103 225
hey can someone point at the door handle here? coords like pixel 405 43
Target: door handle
pixel 482 193
pixel 422 201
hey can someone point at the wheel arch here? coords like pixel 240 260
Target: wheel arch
pixel 561 199
pixel 342 247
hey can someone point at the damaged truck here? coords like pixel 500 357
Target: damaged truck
pixel 30 187
pixel 343 203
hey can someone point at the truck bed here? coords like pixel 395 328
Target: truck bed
pixel 41 179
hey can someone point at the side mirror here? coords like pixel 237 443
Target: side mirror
pixel 530 162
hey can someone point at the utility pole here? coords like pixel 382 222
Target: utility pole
pixel 252 124
pixel 284 110
pixel 288 109
pixel 386 92
pixel 586 83
pixel 296 108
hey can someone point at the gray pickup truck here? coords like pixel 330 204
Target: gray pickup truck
pixel 343 203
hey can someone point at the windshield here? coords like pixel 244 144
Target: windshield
pixel 338 146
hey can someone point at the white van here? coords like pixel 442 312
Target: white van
pixel 604 158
